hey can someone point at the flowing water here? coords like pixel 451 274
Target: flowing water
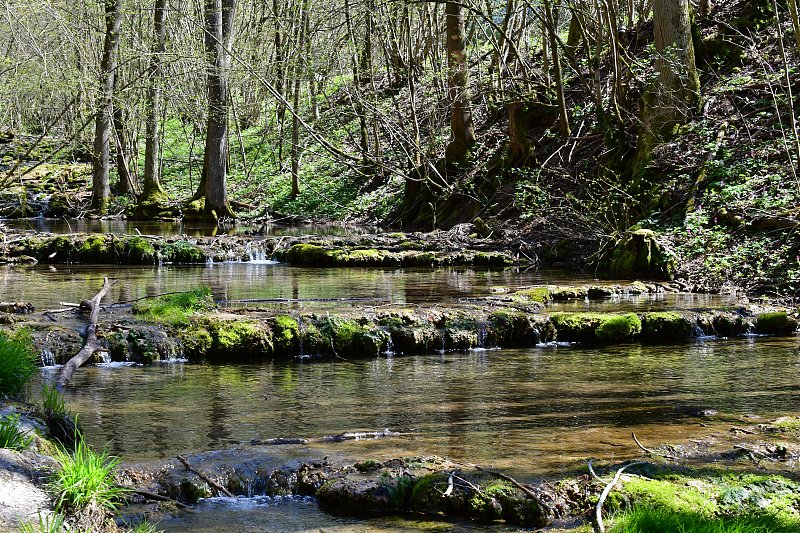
pixel 530 412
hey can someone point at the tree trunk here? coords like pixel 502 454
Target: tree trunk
pixel 219 39
pixel 462 129
pixel 795 22
pixel 101 190
pixel 126 180
pixel 556 59
pixel 677 93
pixel 153 191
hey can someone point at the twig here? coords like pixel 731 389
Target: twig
pixel 158 497
pixel 535 497
pixel 205 478
pixel 652 452
pixel 604 495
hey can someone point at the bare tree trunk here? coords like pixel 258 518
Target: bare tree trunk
pixel 101 190
pixel 126 180
pixel 795 22
pixel 299 69
pixel 218 41
pixel 153 191
pixel 556 59
pixel 462 129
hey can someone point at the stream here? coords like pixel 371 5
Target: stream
pixel 529 412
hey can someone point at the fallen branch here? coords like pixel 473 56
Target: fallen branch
pixel 91 346
pixel 653 452
pixel 526 490
pixel 158 497
pixel 341 437
pixel 214 484
pixel 605 493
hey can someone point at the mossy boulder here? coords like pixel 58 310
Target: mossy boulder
pixel 182 252
pixel 196 341
pixel 353 340
pixel 534 294
pixel 666 327
pixel 564 294
pixel 636 254
pixel 234 340
pixel 596 328
pixel 724 325
pixel 306 255
pixel 285 335
pixel 511 329
pixel 776 323
pixel 416 339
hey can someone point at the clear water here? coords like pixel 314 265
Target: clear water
pixel 539 410
pixel 45 286
pixel 175 228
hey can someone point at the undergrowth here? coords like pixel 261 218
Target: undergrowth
pixel 644 519
pixel 11 436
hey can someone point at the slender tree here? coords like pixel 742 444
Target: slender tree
pixel 101 190
pixel 153 192
pixel 462 129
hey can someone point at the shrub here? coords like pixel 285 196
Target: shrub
pixel 17 362
pixel 86 479
pixel 11 436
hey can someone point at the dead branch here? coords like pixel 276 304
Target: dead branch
pixel 653 452
pixel 214 484
pixel 605 493
pixel 91 346
pixel 526 490
pixel 158 497
pixel 341 437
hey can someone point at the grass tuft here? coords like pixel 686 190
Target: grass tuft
pixel 86 479
pixel 54 523
pixel 17 362
pixel 11 436
pixel 175 309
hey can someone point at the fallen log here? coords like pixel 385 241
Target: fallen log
pixel 90 346
pixel 220 489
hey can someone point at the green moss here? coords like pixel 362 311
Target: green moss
pixel 618 328
pixel 509 329
pixel 196 341
pixel 240 339
pixel 599 292
pixel 134 250
pixel 666 327
pixel 314 342
pixel 175 309
pixel 638 253
pixel 563 294
pixel 96 249
pixel 183 252
pixel 354 340
pixel 536 294
pixel 727 326
pixel 308 255
pixel 491 259
pixel 596 328
pixel 285 335
pixel 777 323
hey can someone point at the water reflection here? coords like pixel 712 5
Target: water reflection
pixel 165 228
pixel 45 286
pixel 525 410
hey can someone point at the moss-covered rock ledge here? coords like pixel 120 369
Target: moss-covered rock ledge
pixel 187 325
pixel 386 250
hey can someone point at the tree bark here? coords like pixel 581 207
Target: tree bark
pixel 101 190
pixel 218 41
pixel 563 118
pixel 90 346
pixel 152 190
pixel 462 128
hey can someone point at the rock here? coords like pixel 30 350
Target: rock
pixel 22 498
pixel 19 308
pixel 776 323
pixel 666 327
pixel 596 328
pixel 637 254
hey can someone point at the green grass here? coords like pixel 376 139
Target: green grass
pixel 644 519
pixel 17 362
pixel 86 479
pixel 11 436
pixel 54 523
pixel 175 309
pixel 53 403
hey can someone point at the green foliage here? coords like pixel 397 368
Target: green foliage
pixel 646 519
pixel 11 436
pixel 145 527
pixel 53 402
pixel 86 479
pixel 175 309
pixel 286 334
pixel 17 362
pixel 54 523
pixel 618 328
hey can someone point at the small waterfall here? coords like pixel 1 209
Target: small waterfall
pixel 104 357
pixel 482 335
pixel 444 341
pixel 48 358
pixel 45 206
pixel 389 346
